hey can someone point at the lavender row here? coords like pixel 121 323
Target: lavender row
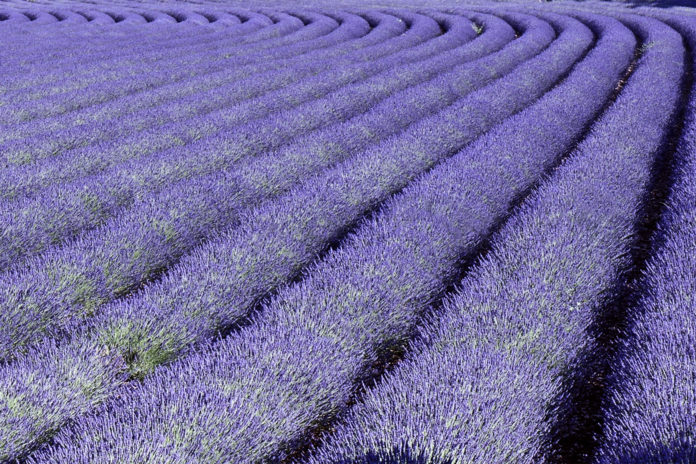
pixel 160 227
pixel 261 32
pixel 67 17
pixel 203 91
pixel 423 28
pixel 142 19
pixel 269 247
pixel 223 57
pixel 97 34
pixel 254 32
pixel 35 16
pixel 65 209
pixel 402 49
pixel 145 17
pixel 314 341
pixel 148 78
pixel 202 94
pixel 219 58
pixel 219 41
pixel 127 23
pixel 651 400
pixel 222 47
pixel 481 383
pixel 224 51
pixel 100 48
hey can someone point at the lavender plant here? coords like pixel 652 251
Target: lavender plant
pixel 124 255
pixel 650 404
pixel 481 383
pixel 301 239
pixel 238 232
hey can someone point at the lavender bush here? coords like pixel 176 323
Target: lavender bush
pixel 481 382
pixel 650 406
pixel 374 246
pixel 344 232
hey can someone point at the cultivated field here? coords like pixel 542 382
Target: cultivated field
pixel 347 233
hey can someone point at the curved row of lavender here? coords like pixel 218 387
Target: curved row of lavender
pixel 247 116
pixel 99 51
pixel 205 90
pixel 220 62
pixel 101 45
pixel 538 36
pixel 218 58
pixel 254 443
pixel 95 14
pixel 481 383
pixel 652 394
pixel 224 226
pixel 351 129
pixel 70 164
pixel 110 263
pixel 263 30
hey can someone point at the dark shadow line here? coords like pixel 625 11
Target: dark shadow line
pixel 575 417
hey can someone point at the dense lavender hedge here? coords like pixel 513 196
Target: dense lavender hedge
pixel 127 250
pixel 651 403
pixel 238 233
pixel 103 148
pixel 380 171
pixel 334 322
pixel 482 382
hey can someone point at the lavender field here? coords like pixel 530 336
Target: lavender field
pixel 349 232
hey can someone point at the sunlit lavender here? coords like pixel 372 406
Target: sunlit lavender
pixel 403 231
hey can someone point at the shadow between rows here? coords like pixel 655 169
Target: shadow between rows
pixel 575 418
pixel 374 373
pixel 389 356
